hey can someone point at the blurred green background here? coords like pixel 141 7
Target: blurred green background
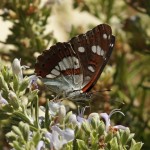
pixel 29 27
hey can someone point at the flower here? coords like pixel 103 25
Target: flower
pixel 40 145
pixel 106 117
pixel 59 137
pixel 2 100
pixel 61 113
pixel 33 81
pixel 17 69
pixel 54 107
pixel 78 120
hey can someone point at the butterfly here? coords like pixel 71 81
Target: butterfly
pixel 74 67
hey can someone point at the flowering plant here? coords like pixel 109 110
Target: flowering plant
pixel 30 126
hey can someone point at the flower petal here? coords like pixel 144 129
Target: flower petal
pixel 106 117
pixel 16 69
pixel 120 127
pixel 40 145
pixel 2 100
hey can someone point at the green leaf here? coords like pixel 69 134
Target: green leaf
pixel 11 136
pixel 47 116
pixel 108 137
pixel 32 96
pixel 37 137
pixel 3 84
pixel 85 126
pixel 136 146
pixel 13 100
pixel 131 136
pixel 4 116
pixel 68 116
pixel 24 127
pixel 15 83
pixel 114 144
pixel 124 136
pixel 23 85
pixel 16 146
pixel 17 131
pixel 82 145
pixel 6 73
pixel 18 114
pixel 101 128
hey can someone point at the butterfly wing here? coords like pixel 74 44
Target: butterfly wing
pixel 93 49
pixel 60 68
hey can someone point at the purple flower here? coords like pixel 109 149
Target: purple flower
pixel 33 81
pixel 106 117
pixel 2 100
pixel 40 146
pixel 59 137
pixel 78 120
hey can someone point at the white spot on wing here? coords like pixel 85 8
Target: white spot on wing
pixel 87 78
pixel 50 76
pixel 104 36
pixel 55 72
pixel 70 61
pixel 93 49
pixel 57 67
pixel 91 68
pixel 76 62
pixel 98 50
pixel 66 63
pixel 81 49
pixel 61 65
pixel 102 53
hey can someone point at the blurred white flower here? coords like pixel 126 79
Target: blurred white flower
pixel 17 68
pixel 59 137
pixel 64 16
pixel 73 119
pixel 53 107
pixel 40 146
pixel 106 117
pixel 61 113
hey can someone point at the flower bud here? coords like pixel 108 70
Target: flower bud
pixel 86 127
pixel 13 99
pixel 16 68
pixel 61 112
